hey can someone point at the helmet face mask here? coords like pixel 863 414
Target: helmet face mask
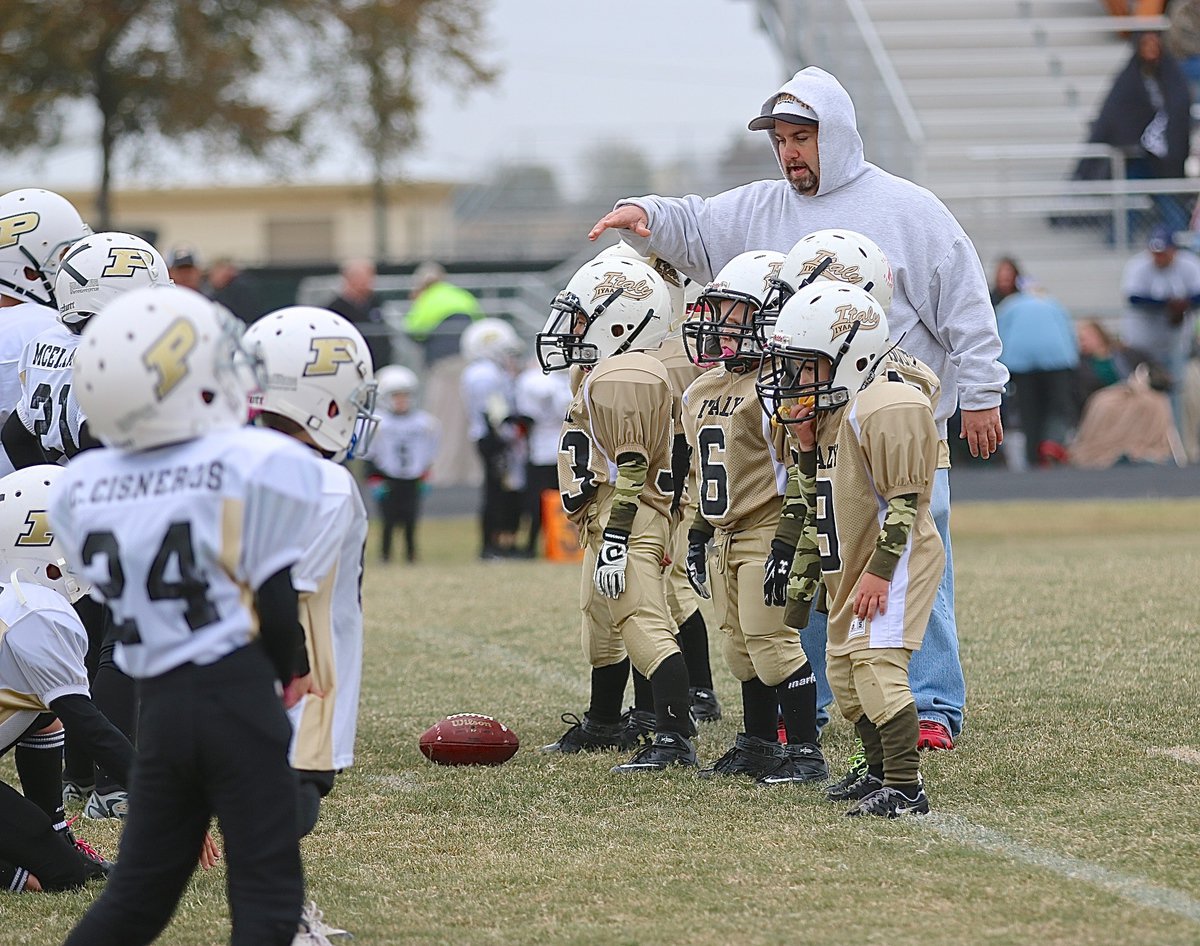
pixel 826 345
pixel 724 326
pixel 611 305
pixel 36 227
pixel 27 545
pixel 319 376
pixel 99 268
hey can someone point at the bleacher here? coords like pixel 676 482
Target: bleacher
pixel 988 104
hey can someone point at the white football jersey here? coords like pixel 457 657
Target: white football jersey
pixel 42 646
pixel 18 324
pixel 177 539
pixel 48 407
pixel 544 399
pixel 404 445
pixel 329 579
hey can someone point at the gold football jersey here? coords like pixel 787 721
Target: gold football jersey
pixel 740 480
pixel 624 405
pixel 681 371
pixel 882 445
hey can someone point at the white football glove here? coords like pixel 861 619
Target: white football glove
pixel 611 562
pixel 697 562
pixel 777 568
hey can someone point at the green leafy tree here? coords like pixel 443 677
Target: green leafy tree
pixel 169 69
pixel 380 56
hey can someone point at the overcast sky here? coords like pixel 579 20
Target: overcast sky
pixel 673 77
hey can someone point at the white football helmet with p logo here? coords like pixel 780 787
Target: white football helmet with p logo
pixel 36 226
pixel 101 267
pixel 318 375
pixel 26 542
pixel 163 364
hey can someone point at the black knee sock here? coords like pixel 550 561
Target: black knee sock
pixel 797 697
pixel 760 710
pixel 115 695
pixel 643 692
pixel 672 704
pixel 39 759
pixel 693 641
pixel 872 745
pixel 608 692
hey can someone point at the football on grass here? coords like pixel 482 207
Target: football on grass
pixel 468 739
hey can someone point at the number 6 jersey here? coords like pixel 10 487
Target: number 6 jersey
pixel 176 539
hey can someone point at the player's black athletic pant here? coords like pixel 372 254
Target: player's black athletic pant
pixel 400 507
pixel 211 740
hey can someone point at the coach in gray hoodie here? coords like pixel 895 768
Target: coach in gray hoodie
pixel 941 305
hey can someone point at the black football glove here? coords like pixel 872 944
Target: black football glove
pixel 777 567
pixel 697 562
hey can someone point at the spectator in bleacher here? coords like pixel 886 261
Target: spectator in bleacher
pixel 358 302
pixel 1041 355
pixel 1161 286
pixel 183 266
pixel 1183 41
pixel 235 290
pixel 1103 360
pixel 440 312
pixel 1006 280
pixel 1147 116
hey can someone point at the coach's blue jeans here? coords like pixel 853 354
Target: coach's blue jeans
pixel 935 674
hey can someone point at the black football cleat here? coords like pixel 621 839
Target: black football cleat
pixel 586 736
pixel 637 729
pixel 750 755
pixel 706 708
pixel 801 763
pixel 853 786
pixel 888 802
pixel 667 750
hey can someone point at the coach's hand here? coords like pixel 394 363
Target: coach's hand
pixel 982 431
pixel 777 567
pixel 625 217
pixel 209 853
pixel 697 563
pixel 611 562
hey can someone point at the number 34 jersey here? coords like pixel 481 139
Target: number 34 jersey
pixel 48 407
pixel 177 539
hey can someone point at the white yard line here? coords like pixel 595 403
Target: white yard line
pixel 1136 890
pixel 1179 754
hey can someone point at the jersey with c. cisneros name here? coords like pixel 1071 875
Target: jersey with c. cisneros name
pixel 329 579
pixel 48 407
pixel 42 648
pixel 177 539
pixel 739 479
pixel 624 405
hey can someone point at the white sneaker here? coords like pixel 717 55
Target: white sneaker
pixel 108 805
pixel 314 919
pixel 305 937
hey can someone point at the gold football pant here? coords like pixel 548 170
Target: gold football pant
pixel 637 623
pixel 681 599
pixel 757 642
pixel 872 681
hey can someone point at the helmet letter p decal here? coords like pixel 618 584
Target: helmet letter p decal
pixel 125 261
pixel 38 532
pixel 327 354
pixel 167 357
pixel 12 227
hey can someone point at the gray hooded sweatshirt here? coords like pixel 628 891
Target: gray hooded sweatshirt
pixel 941 305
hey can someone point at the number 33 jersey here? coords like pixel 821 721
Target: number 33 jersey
pixel 48 407
pixel 177 539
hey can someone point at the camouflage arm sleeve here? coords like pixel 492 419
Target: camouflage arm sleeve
pixel 893 537
pixel 805 576
pixel 791 519
pixel 631 477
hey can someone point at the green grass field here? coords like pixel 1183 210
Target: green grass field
pixel 1069 814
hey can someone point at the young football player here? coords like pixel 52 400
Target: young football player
pixel 320 391
pixel 187 526
pixel 48 426
pixel 868 449
pixel 618 486
pixel 36 226
pixel 740 486
pixel 43 690
pixel 404 448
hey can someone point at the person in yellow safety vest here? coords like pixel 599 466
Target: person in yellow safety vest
pixel 440 312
